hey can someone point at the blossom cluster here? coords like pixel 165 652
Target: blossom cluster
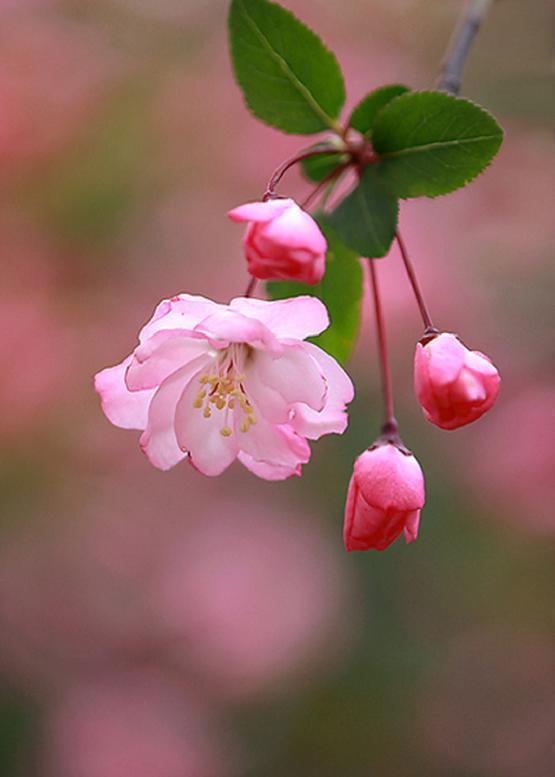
pixel 212 383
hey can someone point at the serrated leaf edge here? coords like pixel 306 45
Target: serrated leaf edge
pixel 483 110
pixel 328 121
pixel 366 96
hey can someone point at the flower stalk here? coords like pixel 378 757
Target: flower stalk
pixel 280 171
pixel 429 327
pixel 390 427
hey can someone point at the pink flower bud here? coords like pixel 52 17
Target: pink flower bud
pixel 385 496
pixel 454 386
pixel 282 241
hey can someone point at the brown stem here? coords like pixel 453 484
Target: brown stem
pixel 251 286
pixel 279 172
pixel 390 423
pixel 330 178
pixel 426 318
pixel 460 45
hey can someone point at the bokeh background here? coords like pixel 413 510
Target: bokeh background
pixel 169 625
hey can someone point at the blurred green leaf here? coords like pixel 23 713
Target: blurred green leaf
pixel 364 114
pixel 316 168
pixel 17 733
pixel 340 290
pixel 366 220
pixel 431 143
pixel 290 80
pixel 97 184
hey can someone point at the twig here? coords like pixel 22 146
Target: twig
pixel 460 44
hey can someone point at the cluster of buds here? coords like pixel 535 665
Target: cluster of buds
pixel 454 385
pixel 212 383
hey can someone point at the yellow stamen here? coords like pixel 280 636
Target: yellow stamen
pixel 225 391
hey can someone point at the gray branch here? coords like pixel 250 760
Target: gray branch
pixel 460 44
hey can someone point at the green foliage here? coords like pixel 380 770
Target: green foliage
pixel 17 732
pixel 316 168
pixel 364 114
pixel 290 80
pixel 366 220
pixel 340 290
pixel 431 143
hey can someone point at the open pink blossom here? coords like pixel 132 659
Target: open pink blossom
pixel 218 382
pixel 282 241
pixel 385 496
pixel 454 386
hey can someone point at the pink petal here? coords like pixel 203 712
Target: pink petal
pixel 480 363
pixel 229 326
pixel 468 388
pixel 313 425
pixel 272 444
pixel 260 212
pixel 333 418
pixel 163 353
pixel 210 452
pixel 340 387
pixel 183 311
pixel 412 521
pixel 272 405
pixel 159 441
pixel 422 385
pixel 123 408
pixel 446 358
pixel 295 318
pixel 390 479
pixel 295 228
pixel 295 375
pixel 268 471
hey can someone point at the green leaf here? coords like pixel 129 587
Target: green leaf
pixel 366 220
pixel 340 290
pixel 316 168
pixel 364 114
pixel 290 80
pixel 431 143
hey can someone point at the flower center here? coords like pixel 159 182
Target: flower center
pixel 222 391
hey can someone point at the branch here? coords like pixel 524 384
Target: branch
pixel 460 44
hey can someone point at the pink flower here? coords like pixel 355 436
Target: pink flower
pixel 282 241
pixel 219 382
pixel 385 496
pixel 454 386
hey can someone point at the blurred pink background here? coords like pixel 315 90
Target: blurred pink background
pixel 168 625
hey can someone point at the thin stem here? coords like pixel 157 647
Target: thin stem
pixel 251 286
pixel 460 45
pixel 424 312
pixel 390 423
pixel 279 172
pixel 331 178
